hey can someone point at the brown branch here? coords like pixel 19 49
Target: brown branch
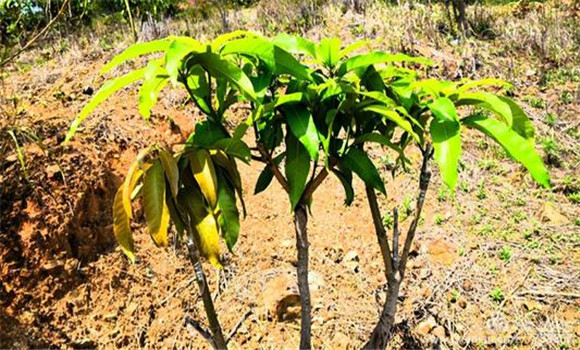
pixel 275 170
pixel 238 325
pixel 37 36
pixel 395 239
pixel 424 178
pixel 380 231
pixel 201 330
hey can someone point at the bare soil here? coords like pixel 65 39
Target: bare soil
pixel 64 283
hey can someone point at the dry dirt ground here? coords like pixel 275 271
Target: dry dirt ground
pixel 65 283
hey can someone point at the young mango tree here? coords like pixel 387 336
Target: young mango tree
pixel 432 110
pixel 196 188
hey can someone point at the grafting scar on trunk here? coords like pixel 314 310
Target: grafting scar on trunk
pixel 394 263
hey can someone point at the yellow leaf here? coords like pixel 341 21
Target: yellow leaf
pixel 171 170
pixel 204 174
pixel 204 224
pixel 121 226
pixel 156 211
pixel 131 179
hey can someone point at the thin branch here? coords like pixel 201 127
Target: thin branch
pixel 424 178
pixel 37 36
pixel 275 170
pixel 201 330
pixel 549 293
pixel 395 239
pixel 238 325
pixel 380 231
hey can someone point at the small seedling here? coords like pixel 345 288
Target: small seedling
pixel 551 119
pixel 461 251
pixel 442 194
pixel 574 197
pixel 481 192
pixel 505 254
pixel 438 219
pixel 567 97
pixel 536 102
pixel 455 294
pixel 388 219
pixel 497 295
pixel 550 146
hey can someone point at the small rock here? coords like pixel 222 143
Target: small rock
pixel 462 302
pixel 11 158
pixel 281 298
pixel 467 285
pixel 442 251
pixel 52 171
pixel 424 327
pixel 439 332
pixel 340 341
pixel 550 213
pixel 351 260
pixel 287 243
pixel 351 256
pixel 88 90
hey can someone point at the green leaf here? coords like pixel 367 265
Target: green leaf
pixel 155 80
pixel 135 51
pixel 234 147
pixel 515 145
pixel 302 126
pixel 393 116
pixel 521 123
pixel 487 101
pixel 206 134
pixel 109 88
pixel 378 57
pixel 297 168
pixel 378 138
pixel 295 44
pixel 345 177
pixel 229 217
pixel 484 82
pixel 219 67
pixel 156 211
pixel 358 161
pixel 275 58
pixel 267 175
pixel 446 139
pixel 198 87
pixel 218 43
pixel 353 47
pixel 175 54
pixel 328 51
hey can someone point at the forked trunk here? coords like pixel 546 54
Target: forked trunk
pixel 383 330
pixel 300 223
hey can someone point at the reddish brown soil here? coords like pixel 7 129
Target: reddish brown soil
pixel 64 283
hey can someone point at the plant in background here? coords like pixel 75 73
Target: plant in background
pixel 309 121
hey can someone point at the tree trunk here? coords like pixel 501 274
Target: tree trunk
pixel 217 337
pixel 300 223
pixel 460 16
pixel 382 332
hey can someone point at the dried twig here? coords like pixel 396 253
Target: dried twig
pixel 37 36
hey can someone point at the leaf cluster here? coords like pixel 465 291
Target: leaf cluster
pixel 313 108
